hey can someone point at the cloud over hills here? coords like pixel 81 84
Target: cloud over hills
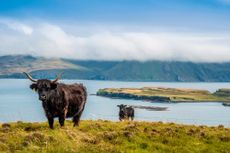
pixel 49 39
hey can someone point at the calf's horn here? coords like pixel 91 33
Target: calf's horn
pixel 29 77
pixel 57 78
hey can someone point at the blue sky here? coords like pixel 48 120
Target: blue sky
pixel 189 13
pixel 117 29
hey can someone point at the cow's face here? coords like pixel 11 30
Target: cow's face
pixel 44 88
pixel 122 108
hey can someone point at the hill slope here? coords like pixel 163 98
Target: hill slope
pixel 12 66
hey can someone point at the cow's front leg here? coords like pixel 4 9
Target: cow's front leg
pixel 49 115
pixel 51 121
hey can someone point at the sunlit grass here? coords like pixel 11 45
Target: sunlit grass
pixel 106 137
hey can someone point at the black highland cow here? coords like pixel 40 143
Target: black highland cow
pixel 125 112
pixel 60 100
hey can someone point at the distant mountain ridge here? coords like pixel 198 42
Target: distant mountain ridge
pixel 40 67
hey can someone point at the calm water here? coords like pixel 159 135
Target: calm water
pixel 18 102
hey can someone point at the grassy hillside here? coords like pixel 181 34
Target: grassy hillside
pixel 113 137
pixel 12 66
pixel 19 63
pixel 167 94
pixel 169 71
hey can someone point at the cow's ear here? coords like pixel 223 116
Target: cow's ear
pixel 118 105
pixel 34 86
pixel 53 85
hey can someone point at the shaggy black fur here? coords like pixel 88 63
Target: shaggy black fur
pixel 61 100
pixel 125 112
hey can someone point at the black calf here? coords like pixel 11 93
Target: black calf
pixel 125 112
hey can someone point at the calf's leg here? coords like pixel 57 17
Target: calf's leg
pixel 132 117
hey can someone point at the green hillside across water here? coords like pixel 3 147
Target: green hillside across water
pixel 39 67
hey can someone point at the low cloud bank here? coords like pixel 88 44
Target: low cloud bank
pixel 52 40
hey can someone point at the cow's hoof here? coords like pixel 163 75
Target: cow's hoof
pixel 75 125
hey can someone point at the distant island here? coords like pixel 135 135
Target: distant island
pixel 158 71
pixel 162 94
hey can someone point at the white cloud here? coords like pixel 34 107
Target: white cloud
pixel 50 40
pixel 15 25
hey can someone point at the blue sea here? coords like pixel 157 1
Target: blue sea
pixel 19 103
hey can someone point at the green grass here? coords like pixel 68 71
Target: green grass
pixel 113 137
pixel 174 94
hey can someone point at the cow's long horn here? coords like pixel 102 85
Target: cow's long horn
pixel 29 77
pixel 58 77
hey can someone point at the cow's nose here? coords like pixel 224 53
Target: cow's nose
pixel 42 97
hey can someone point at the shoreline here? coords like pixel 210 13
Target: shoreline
pixel 69 120
pixel 169 102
